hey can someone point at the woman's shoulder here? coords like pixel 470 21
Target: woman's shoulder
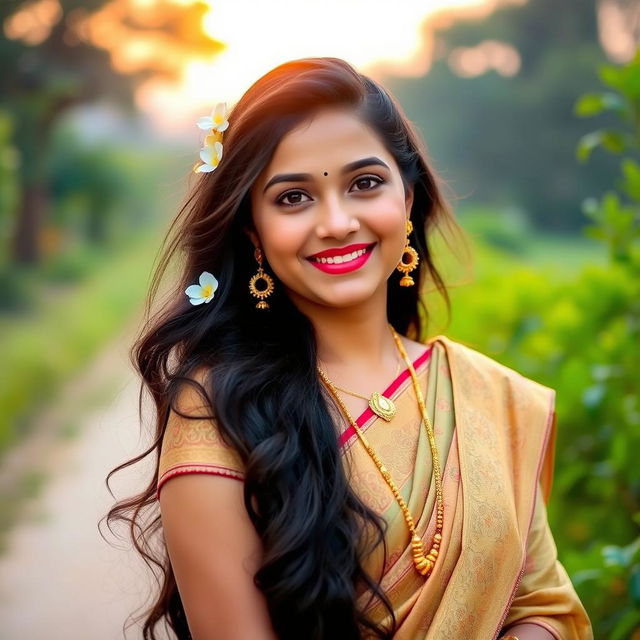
pixel 468 363
pixel 192 441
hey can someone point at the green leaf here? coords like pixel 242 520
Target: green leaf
pixel 586 145
pixel 612 141
pixel 625 79
pixel 631 178
pixel 592 104
pixel 612 76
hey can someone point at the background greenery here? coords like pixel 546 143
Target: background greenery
pixel 546 164
pixel 577 329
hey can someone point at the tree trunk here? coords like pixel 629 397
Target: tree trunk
pixel 26 245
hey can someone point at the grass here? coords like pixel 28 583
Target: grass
pixel 65 330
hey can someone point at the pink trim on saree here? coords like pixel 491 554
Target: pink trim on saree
pixel 389 392
pixel 199 467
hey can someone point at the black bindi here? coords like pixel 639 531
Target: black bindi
pixel 325 173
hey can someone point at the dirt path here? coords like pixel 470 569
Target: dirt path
pixel 58 578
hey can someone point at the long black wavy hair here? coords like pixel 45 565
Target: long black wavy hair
pixel 262 385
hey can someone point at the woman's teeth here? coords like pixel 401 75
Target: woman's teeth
pixel 340 259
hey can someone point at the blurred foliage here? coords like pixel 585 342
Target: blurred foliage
pixel 580 335
pixel 55 317
pixel 507 140
pixel 67 327
pixel 58 54
pixel 100 196
pixel 80 199
pixel 506 229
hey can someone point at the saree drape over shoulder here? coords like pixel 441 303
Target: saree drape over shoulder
pixel 495 434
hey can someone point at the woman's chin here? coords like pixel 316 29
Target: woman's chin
pixel 343 295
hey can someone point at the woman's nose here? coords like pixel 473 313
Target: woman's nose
pixel 336 219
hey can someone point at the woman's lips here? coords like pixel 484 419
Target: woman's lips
pixel 343 263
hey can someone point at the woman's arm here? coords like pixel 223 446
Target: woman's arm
pixel 214 552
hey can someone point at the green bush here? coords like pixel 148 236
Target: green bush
pixel 581 336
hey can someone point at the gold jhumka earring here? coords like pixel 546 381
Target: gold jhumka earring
pixel 408 261
pixel 261 283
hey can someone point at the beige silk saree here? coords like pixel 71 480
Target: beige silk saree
pixel 495 433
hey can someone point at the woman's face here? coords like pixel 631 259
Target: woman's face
pixel 330 211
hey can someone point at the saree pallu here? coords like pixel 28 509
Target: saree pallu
pixel 495 435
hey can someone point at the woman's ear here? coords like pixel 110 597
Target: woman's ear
pixel 408 200
pixel 252 235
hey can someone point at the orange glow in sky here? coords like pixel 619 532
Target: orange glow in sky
pixel 373 35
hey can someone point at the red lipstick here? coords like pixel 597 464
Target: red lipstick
pixel 339 251
pixel 342 260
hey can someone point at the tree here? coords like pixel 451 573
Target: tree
pixel 507 140
pixel 60 53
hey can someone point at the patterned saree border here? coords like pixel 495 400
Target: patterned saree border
pixel 201 467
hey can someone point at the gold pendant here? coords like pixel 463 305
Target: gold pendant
pixel 382 406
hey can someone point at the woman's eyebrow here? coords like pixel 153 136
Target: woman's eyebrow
pixel 306 177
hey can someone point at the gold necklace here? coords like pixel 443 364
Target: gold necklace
pixel 424 563
pixel 382 406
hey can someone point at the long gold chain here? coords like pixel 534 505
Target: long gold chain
pixel 424 563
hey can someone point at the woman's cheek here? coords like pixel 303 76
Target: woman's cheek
pixel 283 246
pixel 388 222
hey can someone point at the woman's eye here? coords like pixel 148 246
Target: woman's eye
pixel 367 183
pixel 294 198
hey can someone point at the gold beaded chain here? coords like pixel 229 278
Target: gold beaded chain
pixel 424 563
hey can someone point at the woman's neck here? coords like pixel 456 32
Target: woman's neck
pixel 354 337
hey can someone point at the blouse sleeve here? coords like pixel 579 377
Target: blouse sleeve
pixel 194 445
pixel 546 596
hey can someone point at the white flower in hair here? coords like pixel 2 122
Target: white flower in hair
pixel 212 137
pixel 210 156
pixel 217 120
pixel 202 292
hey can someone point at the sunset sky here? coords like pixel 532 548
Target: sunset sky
pixel 374 35
pixel 208 51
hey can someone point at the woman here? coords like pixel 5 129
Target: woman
pixel 321 472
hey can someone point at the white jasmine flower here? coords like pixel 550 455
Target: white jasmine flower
pixel 210 156
pixel 202 292
pixel 217 120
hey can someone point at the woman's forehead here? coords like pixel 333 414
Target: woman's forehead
pixel 327 141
